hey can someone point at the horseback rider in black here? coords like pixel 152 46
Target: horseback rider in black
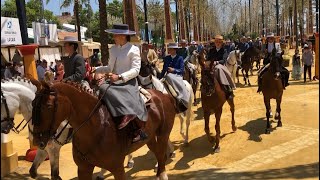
pixel 269 46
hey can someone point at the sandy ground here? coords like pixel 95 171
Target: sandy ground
pixel 289 152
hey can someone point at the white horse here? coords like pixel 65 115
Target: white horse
pixel 231 63
pixel 19 94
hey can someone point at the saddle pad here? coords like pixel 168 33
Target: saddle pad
pixel 144 94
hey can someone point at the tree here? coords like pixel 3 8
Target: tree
pixel 103 34
pixel 33 9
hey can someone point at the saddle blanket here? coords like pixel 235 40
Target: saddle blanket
pixel 144 94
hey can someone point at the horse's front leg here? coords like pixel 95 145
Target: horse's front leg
pixel 54 154
pixel 100 176
pixel 247 75
pixel 278 114
pixel 244 77
pixel 85 172
pixel 237 74
pixel 232 109
pixel 217 114
pixel 40 157
pixel 206 115
pixel 268 107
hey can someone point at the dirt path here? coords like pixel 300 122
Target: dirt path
pixel 289 152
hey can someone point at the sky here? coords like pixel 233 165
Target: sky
pixel 54 6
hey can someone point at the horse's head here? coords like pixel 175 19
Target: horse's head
pixel 275 63
pixel 49 109
pixel 9 105
pixel 146 69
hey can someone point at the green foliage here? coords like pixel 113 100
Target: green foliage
pixel 33 12
pixel 115 9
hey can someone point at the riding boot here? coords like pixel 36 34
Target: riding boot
pixel 139 135
pixel 229 92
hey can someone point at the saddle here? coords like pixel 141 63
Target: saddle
pixel 145 95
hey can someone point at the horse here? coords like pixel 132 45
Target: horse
pixel 19 94
pixel 190 75
pixel 246 63
pixel 272 88
pixel 231 63
pixel 213 103
pixel 148 81
pixel 106 147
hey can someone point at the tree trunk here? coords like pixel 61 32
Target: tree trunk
pixel 76 11
pixel 310 18
pixel 103 34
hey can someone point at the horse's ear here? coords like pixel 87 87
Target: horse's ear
pixel 36 83
pixel 45 85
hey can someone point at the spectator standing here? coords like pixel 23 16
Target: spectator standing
pixel 307 58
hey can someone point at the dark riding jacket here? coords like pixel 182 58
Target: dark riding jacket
pixel 176 63
pixel 74 67
pixel 215 55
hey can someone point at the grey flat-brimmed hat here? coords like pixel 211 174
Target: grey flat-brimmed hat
pixel 120 29
pixel 270 35
pixel 70 39
pixel 173 46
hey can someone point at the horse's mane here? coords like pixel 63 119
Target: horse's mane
pixel 20 80
pixel 78 86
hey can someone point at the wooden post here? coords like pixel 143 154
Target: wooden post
pixel 316 57
pixel 9 158
pixel 130 17
pixel 182 30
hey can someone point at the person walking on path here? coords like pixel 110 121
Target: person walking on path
pixel 308 61
pixel 296 66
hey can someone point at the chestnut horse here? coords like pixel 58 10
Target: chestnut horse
pixel 213 103
pixel 96 140
pixel 272 88
pixel 246 63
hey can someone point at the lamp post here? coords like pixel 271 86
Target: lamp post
pixel 146 21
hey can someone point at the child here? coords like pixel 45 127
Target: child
pixel 296 66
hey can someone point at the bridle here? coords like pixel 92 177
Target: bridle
pixel 10 119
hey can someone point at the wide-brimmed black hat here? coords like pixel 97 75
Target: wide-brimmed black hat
pixel 70 39
pixel 120 29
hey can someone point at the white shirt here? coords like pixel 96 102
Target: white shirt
pixel 270 47
pixel 124 60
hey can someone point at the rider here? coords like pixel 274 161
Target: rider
pixel 243 45
pixel 193 47
pixel 74 63
pixel 173 69
pixel 149 55
pixel 228 46
pixel 122 96
pixel 217 56
pixel 249 40
pixel 183 51
pixel 271 44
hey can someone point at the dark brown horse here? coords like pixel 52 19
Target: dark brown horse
pixel 213 103
pixel 272 88
pixel 191 77
pixel 96 140
pixel 246 63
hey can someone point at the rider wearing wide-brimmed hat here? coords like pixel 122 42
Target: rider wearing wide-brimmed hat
pixel 217 56
pixel 172 72
pixel 122 98
pixel 74 63
pixel 183 50
pixel 148 55
pixel 243 45
pixel 269 47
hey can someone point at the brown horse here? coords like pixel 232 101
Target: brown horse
pixel 246 63
pixel 272 88
pixel 96 140
pixel 213 103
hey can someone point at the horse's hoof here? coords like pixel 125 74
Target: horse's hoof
pixel 267 131
pixel 249 84
pixel 277 116
pixel 99 178
pixel 33 173
pixel 56 178
pixel 279 124
pixel 234 128
pixel 172 155
pixel 216 149
pixel 130 165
